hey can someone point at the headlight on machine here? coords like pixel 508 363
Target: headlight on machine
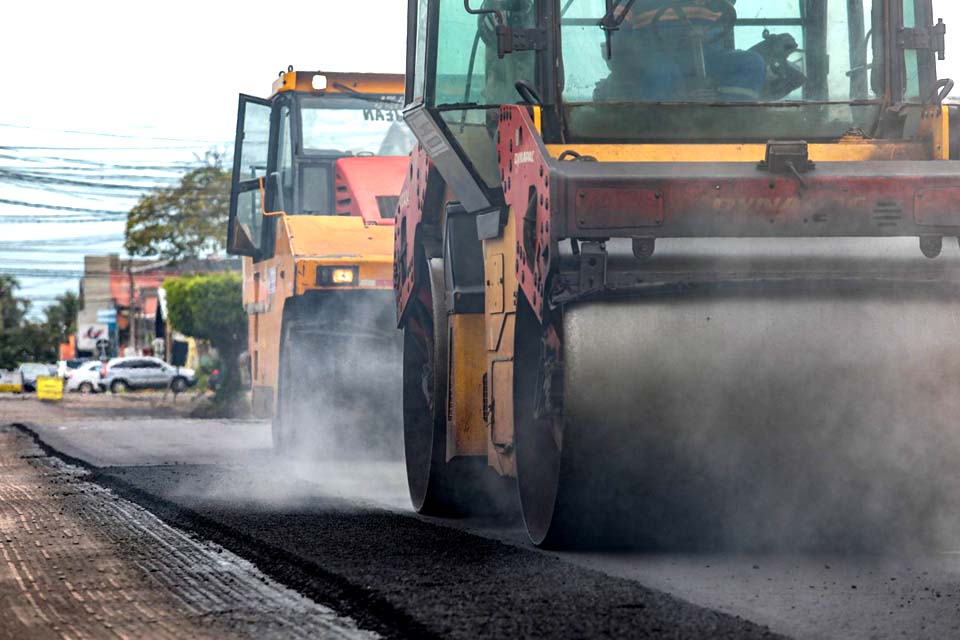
pixel 342 276
pixel 337 276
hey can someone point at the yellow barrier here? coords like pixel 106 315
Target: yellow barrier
pixel 50 388
pixel 11 382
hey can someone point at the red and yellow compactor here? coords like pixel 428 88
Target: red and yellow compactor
pixel 677 266
pixel 317 173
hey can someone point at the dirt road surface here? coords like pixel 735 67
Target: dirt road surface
pixel 343 535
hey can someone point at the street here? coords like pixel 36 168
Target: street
pixel 343 536
pixel 554 319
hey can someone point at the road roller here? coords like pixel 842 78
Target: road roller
pixel 686 270
pixel 317 174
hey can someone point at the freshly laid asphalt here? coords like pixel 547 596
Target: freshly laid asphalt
pixel 397 575
pixel 344 536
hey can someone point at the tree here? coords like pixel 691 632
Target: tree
pixel 61 317
pixel 185 221
pixel 24 341
pixel 12 309
pixel 19 340
pixel 210 307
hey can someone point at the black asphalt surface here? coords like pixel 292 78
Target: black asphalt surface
pixel 224 471
pixel 402 576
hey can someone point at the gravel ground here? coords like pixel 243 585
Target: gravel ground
pixel 79 562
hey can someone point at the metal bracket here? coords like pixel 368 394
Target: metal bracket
pixel 509 39
pixel 788 157
pixel 526 40
pixel 925 39
pixel 490 224
pixel 593 266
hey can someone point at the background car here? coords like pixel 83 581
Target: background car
pixel 64 367
pixel 32 370
pixel 121 374
pixel 85 378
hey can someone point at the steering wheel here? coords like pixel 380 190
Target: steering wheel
pixel 728 15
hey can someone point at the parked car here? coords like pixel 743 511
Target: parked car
pixel 85 378
pixel 64 367
pixel 32 370
pixel 121 374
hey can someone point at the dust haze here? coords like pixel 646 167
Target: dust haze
pixel 339 412
pixel 780 417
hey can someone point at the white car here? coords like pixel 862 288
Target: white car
pixel 85 378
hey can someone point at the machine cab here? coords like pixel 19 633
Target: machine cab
pixel 288 147
pixel 666 72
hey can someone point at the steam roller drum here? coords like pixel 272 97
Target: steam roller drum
pixel 810 418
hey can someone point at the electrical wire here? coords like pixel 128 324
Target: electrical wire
pixel 55 207
pixel 108 135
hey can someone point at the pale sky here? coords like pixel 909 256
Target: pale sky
pixel 168 69
pixel 164 70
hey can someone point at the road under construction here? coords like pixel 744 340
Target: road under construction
pixel 676 289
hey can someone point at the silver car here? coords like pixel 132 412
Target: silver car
pixel 144 372
pixel 33 370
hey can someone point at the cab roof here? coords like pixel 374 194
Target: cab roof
pixel 324 82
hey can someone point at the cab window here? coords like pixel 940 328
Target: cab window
pixel 251 153
pixel 470 76
pixel 284 197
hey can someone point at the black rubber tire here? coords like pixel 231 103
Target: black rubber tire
pixel 339 391
pixel 119 386
pixel 178 384
pixel 283 417
pixel 85 388
pixel 437 487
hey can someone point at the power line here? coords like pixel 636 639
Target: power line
pixel 101 170
pixel 154 148
pixel 110 135
pixel 100 239
pixel 22 203
pixel 21 176
pixel 49 219
pixel 24 272
pixel 179 164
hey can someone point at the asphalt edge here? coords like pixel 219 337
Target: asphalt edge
pixel 368 611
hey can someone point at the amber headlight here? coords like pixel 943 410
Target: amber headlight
pixel 337 276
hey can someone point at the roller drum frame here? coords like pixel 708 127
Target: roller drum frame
pixel 754 417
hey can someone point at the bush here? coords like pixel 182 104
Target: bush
pixel 210 307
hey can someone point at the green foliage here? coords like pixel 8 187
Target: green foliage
pixel 12 309
pixel 21 340
pixel 185 221
pixel 30 342
pixel 61 316
pixel 210 307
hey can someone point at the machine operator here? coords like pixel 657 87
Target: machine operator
pixel 679 50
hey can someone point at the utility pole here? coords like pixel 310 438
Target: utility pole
pixel 130 310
